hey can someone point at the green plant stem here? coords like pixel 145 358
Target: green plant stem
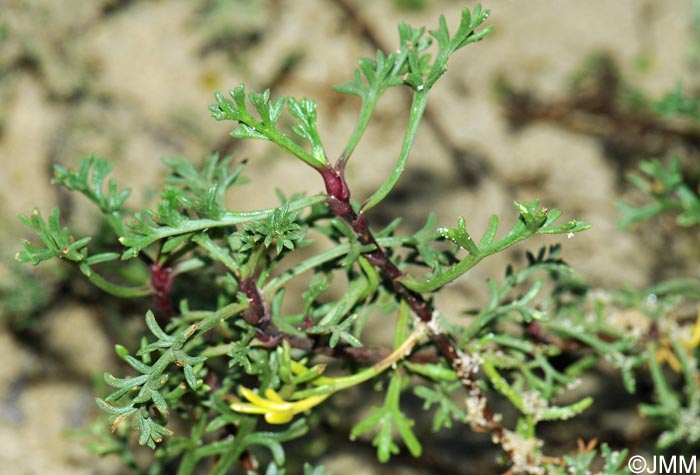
pixel 229 457
pixel 137 243
pixel 219 254
pixel 375 91
pixel 327 386
pixel 112 288
pixel 485 318
pixel 664 392
pixel 366 112
pixel 324 257
pixel 188 265
pixel 585 338
pixel 250 270
pixel 420 100
pixel 286 143
pixel 190 457
pixel 215 351
pixel 689 371
pixel 502 386
pixel 510 239
pixel 116 222
pixel 221 315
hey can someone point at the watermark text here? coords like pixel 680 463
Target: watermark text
pixel 663 465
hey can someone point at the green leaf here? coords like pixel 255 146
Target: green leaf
pixel 447 410
pixel 532 220
pixel 677 103
pixel 265 128
pixel 340 331
pixel 137 365
pixel 145 231
pixel 436 372
pixel 464 35
pixel 90 180
pixel 379 75
pixel 280 227
pixel 116 411
pixel 615 461
pixel 460 236
pixel 152 433
pixel 490 233
pixel 385 418
pixel 150 389
pixel 420 101
pixel 412 64
pixel 190 376
pixel 156 330
pixel 269 112
pixel 305 111
pixel 278 319
pixel 199 191
pixel 58 240
pixel 243 355
pixel 665 187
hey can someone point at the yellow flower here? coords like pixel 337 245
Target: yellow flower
pixel 279 411
pixel 695 337
pixel 275 409
pixel 665 354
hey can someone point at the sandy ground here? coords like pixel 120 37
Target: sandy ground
pixel 131 80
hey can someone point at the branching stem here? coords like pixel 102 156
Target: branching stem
pixel 339 202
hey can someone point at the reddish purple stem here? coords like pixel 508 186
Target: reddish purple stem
pixel 339 201
pixel 162 282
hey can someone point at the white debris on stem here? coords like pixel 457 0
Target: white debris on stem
pixel 434 326
pixel 476 409
pixel 535 404
pixel 521 451
pixel 467 365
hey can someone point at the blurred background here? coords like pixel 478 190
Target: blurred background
pixel 552 105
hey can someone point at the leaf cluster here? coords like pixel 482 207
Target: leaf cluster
pixel 264 126
pixel 532 220
pixel 668 191
pixel 280 227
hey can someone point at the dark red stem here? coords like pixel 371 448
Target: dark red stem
pixel 339 202
pixel 255 313
pixel 258 315
pixel 162 282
